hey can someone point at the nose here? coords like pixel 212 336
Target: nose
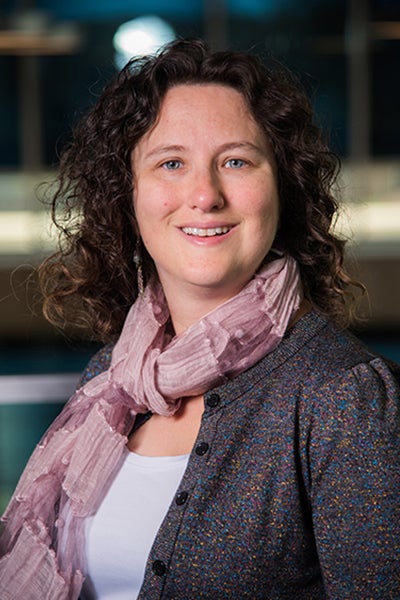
pixel 207 194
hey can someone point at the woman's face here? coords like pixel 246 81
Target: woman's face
pixel 205 191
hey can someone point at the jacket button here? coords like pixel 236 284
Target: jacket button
pixel 181 498
pixel 202 448
pixel 159 568
pixel 213 400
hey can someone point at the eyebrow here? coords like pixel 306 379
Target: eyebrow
pixel 160 150
pixel 241 145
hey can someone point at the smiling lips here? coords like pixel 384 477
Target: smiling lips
pixel 206 232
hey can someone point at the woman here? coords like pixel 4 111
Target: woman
pixel 233 442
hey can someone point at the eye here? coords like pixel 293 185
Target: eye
pixel 235 163
pixel 171 165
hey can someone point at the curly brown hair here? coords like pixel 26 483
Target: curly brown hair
pixel 91 281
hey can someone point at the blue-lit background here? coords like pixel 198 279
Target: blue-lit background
pixel 308 35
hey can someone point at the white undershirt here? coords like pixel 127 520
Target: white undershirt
pixel 120 535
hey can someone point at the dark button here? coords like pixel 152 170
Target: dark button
pixel 202 448
pixel 159 568
pixel 181 498
pixel 213 400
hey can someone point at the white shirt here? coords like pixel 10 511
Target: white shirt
pixel 120 535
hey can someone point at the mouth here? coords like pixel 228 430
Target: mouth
pixel 206 232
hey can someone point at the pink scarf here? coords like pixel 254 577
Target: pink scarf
pixel 77 458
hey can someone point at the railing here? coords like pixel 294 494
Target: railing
pixel 28 404
pixel 37 389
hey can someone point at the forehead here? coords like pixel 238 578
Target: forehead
pixel 202 92
pixel 183 100
pixel 204 111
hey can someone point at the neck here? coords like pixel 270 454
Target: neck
pixel 189 306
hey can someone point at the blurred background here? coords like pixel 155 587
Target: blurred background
pixel 55 57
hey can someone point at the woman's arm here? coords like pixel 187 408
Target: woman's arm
pixel 354 462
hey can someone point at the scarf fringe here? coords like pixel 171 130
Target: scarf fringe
pixel 30 571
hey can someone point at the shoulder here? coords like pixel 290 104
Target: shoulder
pixel 321 370
pixel 348 394
pixel 336 360
pixel 97 364
pixel 325 352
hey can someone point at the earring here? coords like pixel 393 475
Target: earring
pixel 137 259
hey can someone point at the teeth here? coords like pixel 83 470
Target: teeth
pixel 205 232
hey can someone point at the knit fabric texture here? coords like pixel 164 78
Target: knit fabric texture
pixel 292 490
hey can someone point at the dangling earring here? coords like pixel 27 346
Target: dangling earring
pixel 137 259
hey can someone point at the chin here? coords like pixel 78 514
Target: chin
pixel 224 288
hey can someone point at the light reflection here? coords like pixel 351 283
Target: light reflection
pixel 139 37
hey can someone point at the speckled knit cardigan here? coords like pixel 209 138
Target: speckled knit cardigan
pixel 293 486
pixel 292 490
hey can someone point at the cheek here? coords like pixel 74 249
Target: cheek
pixel 265 209
pixel 150 212
pixel 153 200
pixel 266 221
